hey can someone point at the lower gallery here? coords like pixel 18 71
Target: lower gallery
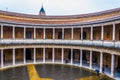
pixel 90 41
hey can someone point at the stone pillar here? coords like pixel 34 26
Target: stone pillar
pixel 101 62
pixel 44 34
pixel 13 32
pixel 81 58
pixel 2 58
pixel 90 59
pixel 53 33
pixel 13 57
pixel 112 64
pixel 72 34
pixel 71 56
pixel 53 55
pixel 62 33
pixel 91 32
pixel 43 55
pixel 102 32
pixel 24 59
pixel 113 32
pixel 34 33
pixel 62 59
pixel 34 55
pixel 24 32
pixel 81 33
pixel 1 31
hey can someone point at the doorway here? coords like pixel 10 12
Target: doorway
pixel 28 54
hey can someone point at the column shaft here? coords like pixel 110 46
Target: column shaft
pixel 90 59
pixel 34 55
pixel 13 32
pixel 112 65
pixel 102 32
pixel 113 32
pixel 24 33
pixel 101 62
pixel 44 34
pixel 62 33
pixel 13 57
pixel 43 55
pixel 62 56
pixel 53 33
pixel 2 58
pixel 1 31
pixel 81 58
pixel 34 33
pixel 81 33
pixel 72 33
pixel 53 55
pixel 71 56
pixel 24 56
pixel 91 32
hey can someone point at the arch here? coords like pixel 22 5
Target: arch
pixel 28 54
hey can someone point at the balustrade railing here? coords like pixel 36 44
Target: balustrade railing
pixel 113 44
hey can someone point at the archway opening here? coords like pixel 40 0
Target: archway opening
pixel 28 54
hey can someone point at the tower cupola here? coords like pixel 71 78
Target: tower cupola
pixel 42 11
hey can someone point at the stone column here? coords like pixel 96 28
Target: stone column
pixel 91 32
pixel 62 59
pixel 81 33
pixel 113 32
pixel 71 56
pixel 81 58
pixel 2 58
pixel 53 55
pixel 112 64
pixel 13 32
pixel 34 33
pixel 24 32
pixel 62 33
pixel 72 33
pixel 101 62
pixel 1 31
pixel 90 59
pixel 24 56
pixel 53 33
pixel 44 34
pixel 102 32
pixel 13 57
pixel 34 55
pixel 43 55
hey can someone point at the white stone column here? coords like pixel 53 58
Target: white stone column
pixel 90 59
pixel 53 55
pixel 34 33
pixel 112 64
pixel 53 33
pixel 43 55
pixel 24 32
pixel 13 57
pixel 102 32
pixel 44 34
pixel 62 33
pixel 24 55
pixel 2 58
pixel 81 33
pixel 34 55
pixel 71 56
pixel 81 57
pixel 72 33
pixel 1 31
pixel 101 62
pixel 13 32
pixel 62 58
pixel 113 32
pixel 91 32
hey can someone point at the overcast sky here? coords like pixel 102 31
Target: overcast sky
pixel 58 7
